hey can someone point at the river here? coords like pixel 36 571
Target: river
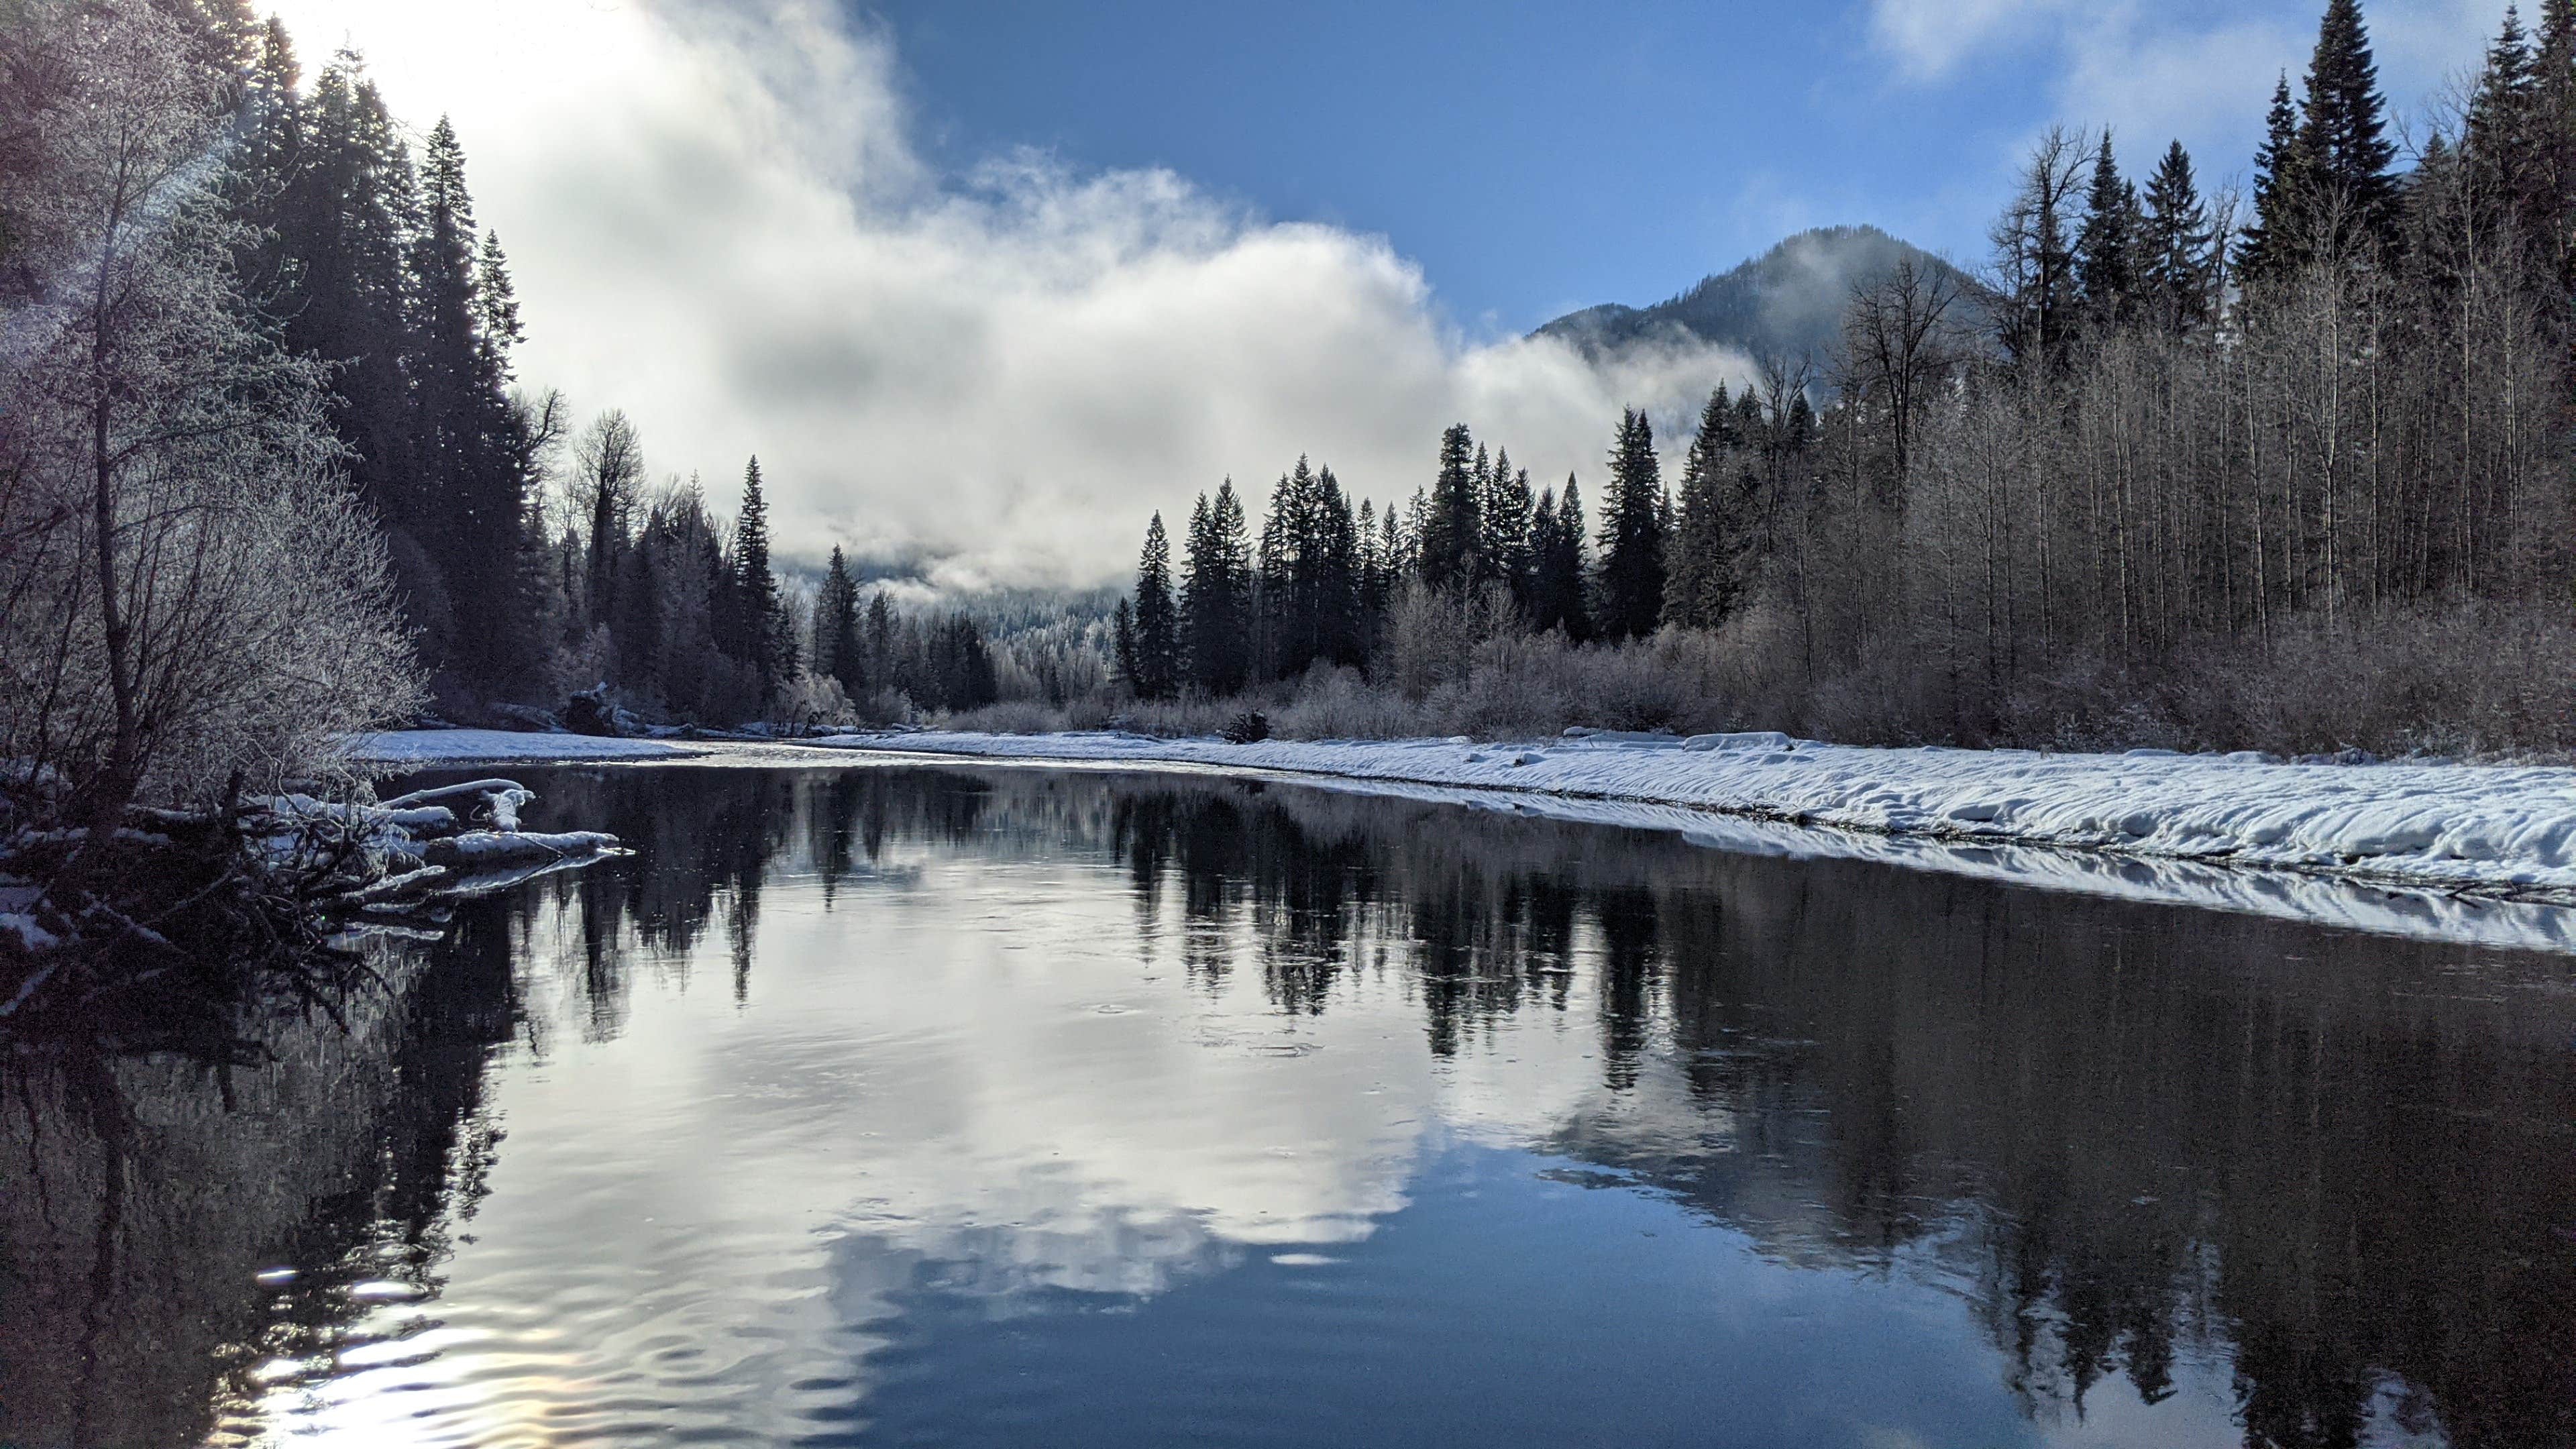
pixel 899 1104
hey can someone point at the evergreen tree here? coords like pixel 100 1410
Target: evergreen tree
pixel 838 652
pixel 2106 247
pixel 2343 132
pixel 1158 649
pixel 496 305
pixel 1216 612
pixel 1699 587
pixel 2500 142
pixel 463 442
pixel 1503 551
pixel 881 638
pixel 1122 636
pixel 1331 570
pixel 1559 572
pixel 2552 146
pixel 1631 587
pixel 344 211
pixel 265 160
pixel 2283 183
pixel 758 618
pixel 1374 576
pixel 2177 251
pixel 1447 537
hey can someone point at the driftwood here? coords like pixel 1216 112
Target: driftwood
pixel 279 885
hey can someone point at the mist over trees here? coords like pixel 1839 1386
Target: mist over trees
pixel 2177 468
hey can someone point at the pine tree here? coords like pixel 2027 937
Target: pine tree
pixel 1122 636
pixel 2552 144
pixel 496 305
pixel 756 591
pixel 2179 263
pixel 1503 551
pixel 1447 540
pixel 1158 662
pixel 839 653
pixel 1216 594
pixel 2501 139
pixel 1332 572
pixel 1558 573
pixel 464 439
pixel 345 213
pixel 1699 584
pixel 2106 247
pixel 2274 242
pixel 2343 133
pixel 1631 587
pixel 265 162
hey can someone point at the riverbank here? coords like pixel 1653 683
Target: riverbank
pixel 2482 853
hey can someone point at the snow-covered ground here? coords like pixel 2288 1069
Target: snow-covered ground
pixel 2457 852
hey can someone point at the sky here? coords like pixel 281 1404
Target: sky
pixel 983 283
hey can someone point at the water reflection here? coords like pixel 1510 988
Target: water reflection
pixel 995 1106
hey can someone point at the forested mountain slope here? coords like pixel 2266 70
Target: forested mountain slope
pixel 1787 302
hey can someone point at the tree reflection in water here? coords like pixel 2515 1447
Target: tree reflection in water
pixel 2132 1134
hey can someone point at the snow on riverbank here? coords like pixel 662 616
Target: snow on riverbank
pixel 2475 853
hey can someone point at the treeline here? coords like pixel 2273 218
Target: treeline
pixel 684 613
pixel 2288 469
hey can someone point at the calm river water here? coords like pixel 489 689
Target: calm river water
pixel 910 1105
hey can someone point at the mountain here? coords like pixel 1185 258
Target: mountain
pixel 1788 301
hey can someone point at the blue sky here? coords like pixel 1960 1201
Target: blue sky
pixel 1538 157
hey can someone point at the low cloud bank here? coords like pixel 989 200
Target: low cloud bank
pixel 720 223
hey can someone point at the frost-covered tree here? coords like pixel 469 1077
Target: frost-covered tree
pixel 187 586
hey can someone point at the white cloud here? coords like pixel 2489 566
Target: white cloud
pixel 718 222
pixel 1929 39
pixel 2202 74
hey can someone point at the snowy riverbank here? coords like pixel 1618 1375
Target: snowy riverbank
pixel 2461 852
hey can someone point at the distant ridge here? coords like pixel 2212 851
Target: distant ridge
pixel 1788 301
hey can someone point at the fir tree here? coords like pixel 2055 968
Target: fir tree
pixel 2106 247
pixel 345 212
pixel 1559 572
pixel 1216 594
pixel 463 441
pixel 1699 583
pixel 1447 537
pixel 1631 588
pixel 1122 637
pixel 2342 133
pixel 1158 651
pixel 2177 253
pixel 496 305
pixel 1503 551
pixel 756 590
pixel 2273 242
pixel 839 654
pixel 2501 139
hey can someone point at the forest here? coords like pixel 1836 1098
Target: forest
pixel 2174 467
